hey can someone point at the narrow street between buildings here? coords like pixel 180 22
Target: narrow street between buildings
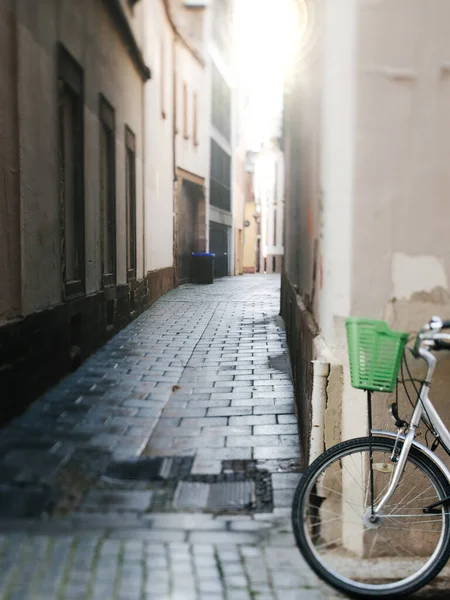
pixel 165 466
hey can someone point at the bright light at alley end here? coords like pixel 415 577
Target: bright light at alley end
pixel 267 34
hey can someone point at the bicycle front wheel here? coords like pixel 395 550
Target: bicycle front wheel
pixel 395 555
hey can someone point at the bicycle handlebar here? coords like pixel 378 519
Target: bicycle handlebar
pixel 430 333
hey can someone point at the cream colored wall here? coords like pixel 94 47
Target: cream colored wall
pixel 107 71
pixel 191 23
pixel 190 157
pixel 384 150
pixel 402 208
pixel 159 170
pixel 403 149
pixel 337 143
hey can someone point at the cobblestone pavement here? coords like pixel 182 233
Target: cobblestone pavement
pixel 199 388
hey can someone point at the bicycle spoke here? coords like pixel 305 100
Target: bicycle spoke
pixel 415 498
pixel 402 540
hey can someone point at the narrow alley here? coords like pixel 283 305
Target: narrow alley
pixel 164 467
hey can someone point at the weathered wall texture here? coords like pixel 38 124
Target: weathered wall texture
pixel 401 206
pixel 159 169
pixel 367 144
pixel 302 131
pixel 88 33
pixel 55 333
pixel 10 293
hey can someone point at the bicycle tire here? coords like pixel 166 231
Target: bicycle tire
pixel 302 537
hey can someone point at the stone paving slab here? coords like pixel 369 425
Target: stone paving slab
pixel 159 570
pixel 94 567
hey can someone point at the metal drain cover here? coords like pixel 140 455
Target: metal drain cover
pixel 191 494
pixel 230 495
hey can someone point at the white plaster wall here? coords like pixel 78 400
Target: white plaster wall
pixel 159 170
pixel 190 157
pixel 191 24
pixel 269 195
pixel 401 257
pixel 402 181
pixel 208 112
pixel 239 179
pixel 385 150
pixel 338 106
pixel 87 32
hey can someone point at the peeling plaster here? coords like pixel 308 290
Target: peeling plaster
pixel 412 274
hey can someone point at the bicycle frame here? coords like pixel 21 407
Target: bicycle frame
pixel 424 410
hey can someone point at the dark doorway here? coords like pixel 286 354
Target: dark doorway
pixel 218 244
pixel 188 216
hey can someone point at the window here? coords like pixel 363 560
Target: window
pixel 185 111
pixel 220 177
pixel 130 176
pixel 274 226
pixel 108 191
pixel 162 81
pixel 194 125
pixel 71 169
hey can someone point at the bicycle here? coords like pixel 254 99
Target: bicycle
pixel 371 515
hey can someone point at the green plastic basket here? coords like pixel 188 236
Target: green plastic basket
pixel 375 353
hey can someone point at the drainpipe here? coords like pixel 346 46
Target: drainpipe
pixel 321 371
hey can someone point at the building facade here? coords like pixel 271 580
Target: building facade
pixel 269 200
pixel 73 239
pixel 105 128
pixel 189 77
pixel 220 198
pixel 366 194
